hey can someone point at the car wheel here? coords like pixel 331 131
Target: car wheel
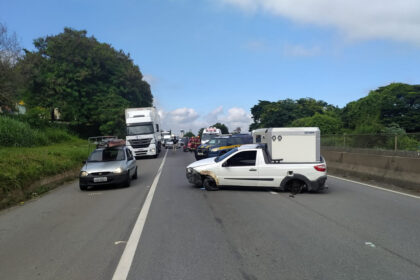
pixel 135 174
pixel 83 187
pixel 210 184
pixel 127 182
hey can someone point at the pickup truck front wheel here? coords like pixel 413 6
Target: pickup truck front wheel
pixel 210 185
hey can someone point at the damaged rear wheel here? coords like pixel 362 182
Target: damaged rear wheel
pixel 210 184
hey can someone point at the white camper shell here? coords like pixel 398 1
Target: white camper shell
pixel 291 144
pixel 143 136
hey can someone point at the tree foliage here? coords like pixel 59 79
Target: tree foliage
pixel 283 112
pixel 10 52
pixel 328 124
pixel 189 134
pixel 222 127
pixel 395 104
pixel 90 82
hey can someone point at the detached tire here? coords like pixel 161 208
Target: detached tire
pixel 83 187
pixel 210 185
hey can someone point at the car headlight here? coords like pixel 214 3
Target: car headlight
pixel 214 150
pixel 118 170
pixel 83 174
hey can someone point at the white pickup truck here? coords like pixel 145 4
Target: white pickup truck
pixel 250 165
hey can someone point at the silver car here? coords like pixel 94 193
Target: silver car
pixel 108 166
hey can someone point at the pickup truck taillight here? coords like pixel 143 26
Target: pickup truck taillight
pixel 320 167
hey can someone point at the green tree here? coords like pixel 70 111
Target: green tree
pixel 222 127
pixel 200 132
pixel 283 112
pixel 189 134
pixel 10 52
pixel 90 82
pixel 326 123
pixel 393 104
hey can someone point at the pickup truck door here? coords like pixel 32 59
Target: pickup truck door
pixel 239 170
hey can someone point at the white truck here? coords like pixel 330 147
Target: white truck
pixel 209 133
pixel 143 136
pixel 286 158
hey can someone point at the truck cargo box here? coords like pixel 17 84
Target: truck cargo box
pixel 291 144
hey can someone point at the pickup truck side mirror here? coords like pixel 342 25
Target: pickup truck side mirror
pixel 225 164
pixel 84 161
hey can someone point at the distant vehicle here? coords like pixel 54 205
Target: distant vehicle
pixel 210 133
pixel 110 164
pixel 185 140
pixel 143 136
pixel 288 159
pixel 222 144
pixel 166 135
pixel 193 143
pixel 169 144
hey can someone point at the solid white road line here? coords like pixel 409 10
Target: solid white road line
pixel 126 260
pixel 376 187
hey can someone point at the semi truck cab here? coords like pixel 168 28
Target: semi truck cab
pixel 143 137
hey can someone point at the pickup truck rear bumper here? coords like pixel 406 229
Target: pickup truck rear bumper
pixel 318 184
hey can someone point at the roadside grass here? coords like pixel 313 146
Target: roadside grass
pixel 21 167
pixel 17 133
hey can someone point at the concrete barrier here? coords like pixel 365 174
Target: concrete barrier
pixel 400 171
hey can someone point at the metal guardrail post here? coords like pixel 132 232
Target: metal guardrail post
pixel 344 138
pixel 396 142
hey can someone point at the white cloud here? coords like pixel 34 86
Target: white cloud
pixel 237 117
pixel 189 119
pixel 183 115
pixel 356 19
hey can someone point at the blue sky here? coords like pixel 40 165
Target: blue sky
pixel 212 60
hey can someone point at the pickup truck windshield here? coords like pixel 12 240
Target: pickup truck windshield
pixel 140 129
pixel 107 155
pixel 222 157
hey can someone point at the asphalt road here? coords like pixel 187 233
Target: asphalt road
pixel 350 231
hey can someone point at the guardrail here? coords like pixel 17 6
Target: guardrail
pixel 389 142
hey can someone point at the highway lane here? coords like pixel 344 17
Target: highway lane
pixel 70 234
pixel 348 232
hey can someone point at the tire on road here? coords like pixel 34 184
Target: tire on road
pixel 83 187
pixel 135 174
pixel 210 185
pixel 127 182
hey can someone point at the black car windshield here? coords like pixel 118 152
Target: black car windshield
pixel 140 129
pixel 107 155
pixel 222 157
pixel 206 137
pixel 218 142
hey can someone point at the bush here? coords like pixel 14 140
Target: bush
pixel 15 133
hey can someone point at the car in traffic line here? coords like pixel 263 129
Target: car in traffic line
pixel 222 144
pixel 113 165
